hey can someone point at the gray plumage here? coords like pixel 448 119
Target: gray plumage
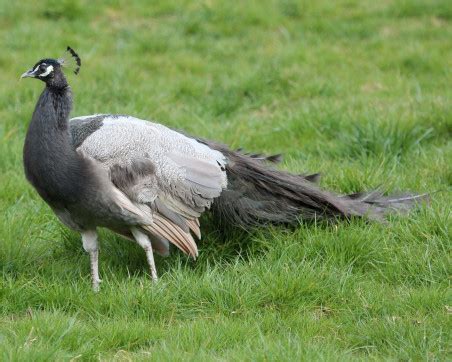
pixel 259 194
pixel 151 184
pixel 256 193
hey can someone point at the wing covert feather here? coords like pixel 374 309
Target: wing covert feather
pixel 175 175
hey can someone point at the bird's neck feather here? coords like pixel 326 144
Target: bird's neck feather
pixel 49 124
pixel 55 105
pixel 49 156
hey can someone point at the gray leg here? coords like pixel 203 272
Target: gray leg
pixel 143 240
pixel 89 239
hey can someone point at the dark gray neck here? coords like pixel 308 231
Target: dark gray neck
pixel 53 108
pixel 51 163
pixel 57 81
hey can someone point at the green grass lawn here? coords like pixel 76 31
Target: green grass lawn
pixel 357 90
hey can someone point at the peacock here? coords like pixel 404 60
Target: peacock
pixel 149 183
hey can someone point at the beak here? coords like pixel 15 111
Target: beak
pixel 28 74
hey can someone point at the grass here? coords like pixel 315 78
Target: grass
pixel 358 90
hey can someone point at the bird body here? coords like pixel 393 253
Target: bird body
pixel 70 183
pixel 151 184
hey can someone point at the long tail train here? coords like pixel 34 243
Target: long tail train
pixel 259 194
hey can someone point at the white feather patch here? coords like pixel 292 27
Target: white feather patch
pixel 47 72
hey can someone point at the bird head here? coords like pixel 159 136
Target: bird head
pixel 44 70
pixel 50 70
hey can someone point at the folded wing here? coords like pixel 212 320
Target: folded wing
pixel 156 167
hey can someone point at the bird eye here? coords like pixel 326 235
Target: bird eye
pixel 42 68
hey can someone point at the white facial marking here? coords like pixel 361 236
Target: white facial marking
pixel 47 72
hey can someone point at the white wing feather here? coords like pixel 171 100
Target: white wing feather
pixel 187 176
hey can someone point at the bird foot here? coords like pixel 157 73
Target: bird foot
pixel 154 277
pixel 96 285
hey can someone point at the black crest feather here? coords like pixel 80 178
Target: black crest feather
pixel 76 58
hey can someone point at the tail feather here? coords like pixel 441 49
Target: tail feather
pixel 315 177
pixel 401 202
pixel 258 194
pixel 277 158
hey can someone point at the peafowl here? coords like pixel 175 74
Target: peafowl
pixel 151 184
